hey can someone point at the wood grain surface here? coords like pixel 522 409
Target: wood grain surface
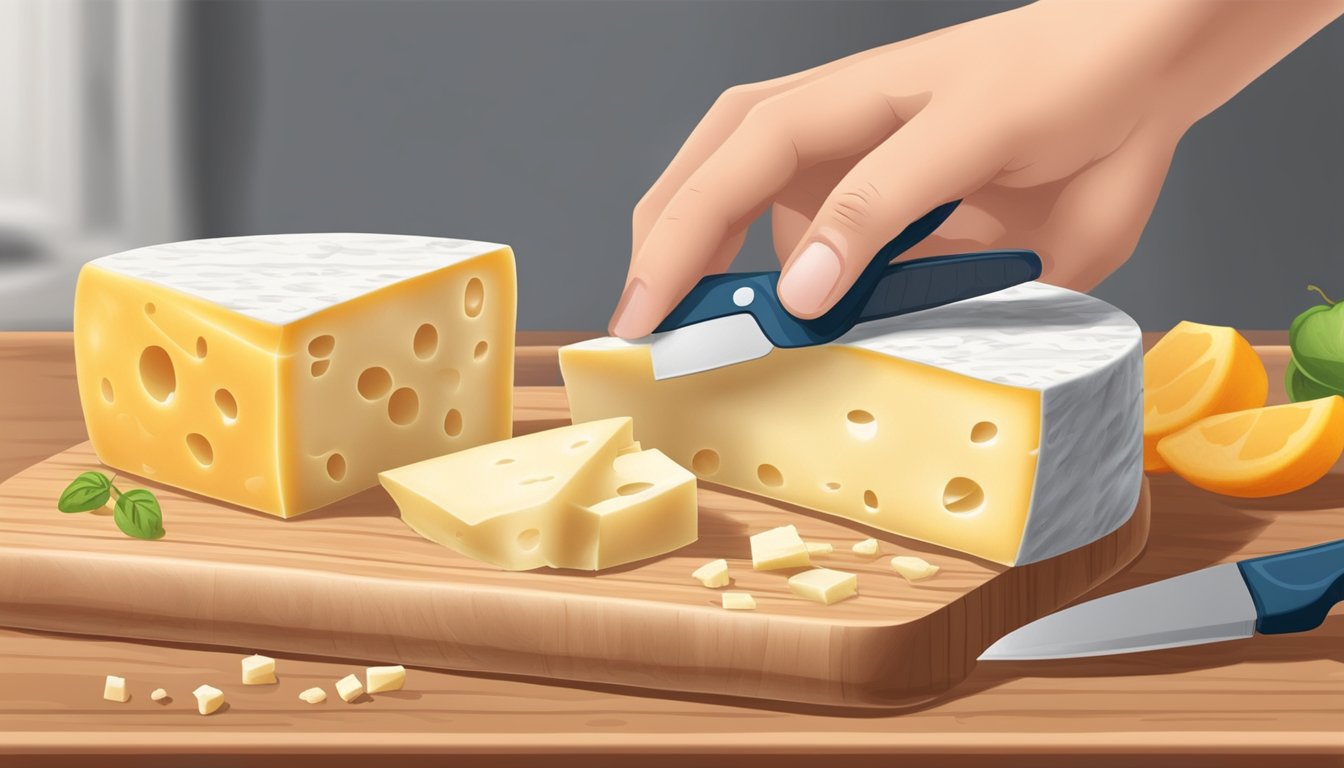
pixel 1239 703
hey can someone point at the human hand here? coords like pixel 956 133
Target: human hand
pixel 1055 123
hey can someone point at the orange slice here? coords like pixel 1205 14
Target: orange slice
pixel 1193 372
pixel 1262 451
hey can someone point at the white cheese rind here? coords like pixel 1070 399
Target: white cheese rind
pixel 278 279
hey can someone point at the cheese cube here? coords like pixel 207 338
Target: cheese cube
pixel 384 679
pixel 258 670
pixel 583 497
pixel 824 585
pixel 713 574
pixel 1008 426
pixel 208 699
pixel 282 373
pixel 159 694
pixel 778 548
pixel 738 601
pixel 815 548
pixel 867 548
pixel 913 568
pixel 349 688
pixel 313 696
pixel 114 689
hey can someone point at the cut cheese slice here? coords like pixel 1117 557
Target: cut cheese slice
pixel 582 497
pixel 780 547
pixel 713 574
pixel 1008 426
pixel 738 601
pixel 258 670
pixel 282 373
pixel 823 585
pixel 914 568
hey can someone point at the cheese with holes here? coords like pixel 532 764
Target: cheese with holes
pixel 585 496
pixel 1008 426
pixel 282 373
pixel 823 585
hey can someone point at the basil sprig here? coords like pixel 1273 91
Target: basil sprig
pixel 136 513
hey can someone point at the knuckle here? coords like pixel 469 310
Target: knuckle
pixel 856 208
pixel 739 98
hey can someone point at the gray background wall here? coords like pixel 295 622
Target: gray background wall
pixel 540 124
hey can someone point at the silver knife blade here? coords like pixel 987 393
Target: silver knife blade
pixel 1205 606
pixel 708 345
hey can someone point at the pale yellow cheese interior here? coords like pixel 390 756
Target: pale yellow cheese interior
pixel 823 585
pixel 288 418
pixel 584 497
pixel 900 446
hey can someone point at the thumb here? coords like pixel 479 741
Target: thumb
pixel 915 170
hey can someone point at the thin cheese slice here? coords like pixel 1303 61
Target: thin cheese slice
pixel 1007 426
pixel 913 568
pixel 282 373
pixel 780 547
pixel 313 696
pixel 815 548
pixel 384 679
pixel 867 548
pixel 582 497
pixel 738 601
pixel 823 585
pixel 713 574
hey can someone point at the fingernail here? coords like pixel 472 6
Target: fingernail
pixel 625 320
pixel 810 278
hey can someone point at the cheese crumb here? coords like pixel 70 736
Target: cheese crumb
pixel 778 548
pixel 824 585
pixel 114 689
pixel 867 548
pixel 158 695
pixel 314 696
pixel 208 699
pixel 383 679
pixel 713 574
pixel 739 601
pixel 349 688
pixel 819 548
pixel 913 568
pixel 258 670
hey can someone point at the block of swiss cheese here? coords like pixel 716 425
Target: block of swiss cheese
pixel 1008 426
pixel 283 372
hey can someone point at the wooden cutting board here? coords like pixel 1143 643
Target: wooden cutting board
pixel 352 582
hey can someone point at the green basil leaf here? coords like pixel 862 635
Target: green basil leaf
pixel 88 492
pixel 138 514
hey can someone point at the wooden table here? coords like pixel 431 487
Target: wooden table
pixel 1277 699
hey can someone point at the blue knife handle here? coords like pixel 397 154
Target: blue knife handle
pixel 1293 591
pixel 734 293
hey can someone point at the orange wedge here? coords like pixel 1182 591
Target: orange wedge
pixel 1193 372
pixel 1262 451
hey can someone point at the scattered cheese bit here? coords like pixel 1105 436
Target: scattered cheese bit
pixel 819 548
pixel 258 670
pixel 115 689
pixel 208 699
pixel 349 688
pixel 778 548
pixel 913 568
pixel 867 547
pixel 739 601
pixel 383 679
pixel 824 585
pixel 158 695
pixel 713 574
pixel 314 696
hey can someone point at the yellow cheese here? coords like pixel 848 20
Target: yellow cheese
pixel 824 585
pixel 815 548
pixel 778 548
pixel 913 568
pixel 349 688
pixel 582 497
pixel 713 574
pixel 159 694
pixel 1008 426
pixel 383 679
pixel 114 689
pixel 282 373
pixel 867 548
pixel 258 670
pixel 313 696
pixel 738 601
pixel 208 699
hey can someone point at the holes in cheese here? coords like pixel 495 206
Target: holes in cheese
pixel 106 388
pixel 584 497
pixel 482 347
pixel 705 462
pixel 770 475
pixel 474 298
pixel 201 449
pixel 1034 394
pixel 314 345
pixel 157 374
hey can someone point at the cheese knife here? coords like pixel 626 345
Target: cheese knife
pixel 1277 594
pixel 735 317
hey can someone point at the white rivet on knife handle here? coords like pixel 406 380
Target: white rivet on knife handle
pixel 743 296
